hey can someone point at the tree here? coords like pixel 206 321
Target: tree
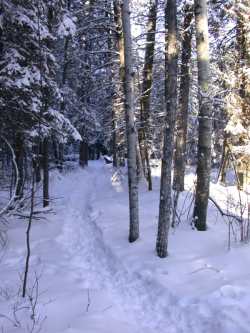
pixel 168 148
pixel 205 117
pixel 29 95
pixel 118 102
pixel 147 78
pixel 130 124
pixel 183 105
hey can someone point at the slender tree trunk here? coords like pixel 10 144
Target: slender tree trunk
pixel 119 109
pixel 112 44
pixel 83 154
pixel 28 231
pixel 224 162
pixel 1 30
pixel 130 124
pixel 144 132
pixel 86 151
pixel 60 156
pixel 63 83
pixel 243 64
pixel 205 121
pixel 168 149
pixel 55 150
pixel 182 115
pixel 114 139
pixel 37 151
pixel 19 153
pixel 45 163
pixel 43 145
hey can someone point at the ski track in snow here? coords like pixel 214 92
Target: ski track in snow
pixel 143 300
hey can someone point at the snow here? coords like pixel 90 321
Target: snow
pixel 67 27
pixel 91 280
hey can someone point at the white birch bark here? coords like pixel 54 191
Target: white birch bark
pixel 205 114
pixel 130 124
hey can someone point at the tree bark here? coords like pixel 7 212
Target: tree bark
pixel 83 154
pixel 112 44
pixel 119 108
pixel 168 148
pixel 130 124
pixel 147 80
pixel 37 164
pixel 243 63
pixel 224 162
pixel 19 153
pixel 182 115
pixel 45 172
pixel 205 120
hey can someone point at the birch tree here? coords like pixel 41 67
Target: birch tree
pixel 118 108
pixel 168 149
pixel 130 124
pixel 205 121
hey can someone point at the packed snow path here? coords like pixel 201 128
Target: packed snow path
pixel 98 282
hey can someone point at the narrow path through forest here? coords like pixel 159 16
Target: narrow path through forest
pixel 143 299
pixel 93 281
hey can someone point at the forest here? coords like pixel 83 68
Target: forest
pixel 124 166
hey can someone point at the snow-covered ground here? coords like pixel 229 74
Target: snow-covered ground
pixel 91 280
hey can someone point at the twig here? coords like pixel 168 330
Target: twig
pixel 223 213
pixel 28 235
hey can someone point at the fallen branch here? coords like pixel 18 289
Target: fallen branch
pixel 223 213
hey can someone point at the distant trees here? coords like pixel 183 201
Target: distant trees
pixel 74 79
pixel 29 91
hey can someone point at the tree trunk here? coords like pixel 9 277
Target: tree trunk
pixel 1 31
pixel 112 45
pixel 182 116
pixel 45 172
pixel 67 40
pixel 224 162
pixel 19 153
pixel 114 139
pixel 130 124
pixel 83 154
pixel 144 132
pixel 119 108
pixel 37 164
pixel 60 156
pixel 243 64
pixel 205 121
pixel 168 148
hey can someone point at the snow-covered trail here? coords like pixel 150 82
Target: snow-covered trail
pixel 99 283
pixel 144 300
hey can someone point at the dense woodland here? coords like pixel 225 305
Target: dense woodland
pixel 136 83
